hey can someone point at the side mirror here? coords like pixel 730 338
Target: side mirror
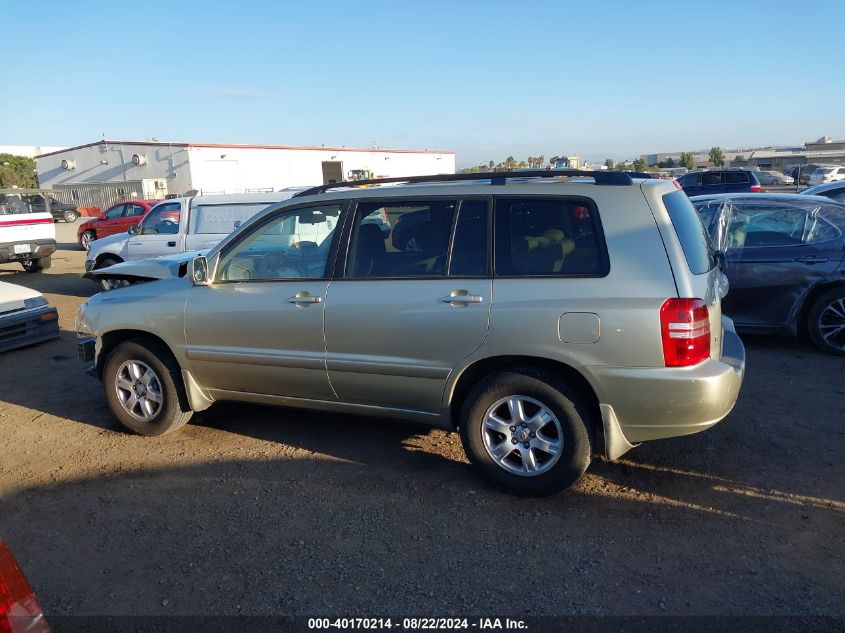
pixel 135 229
pixel 724 286
pixel 198 271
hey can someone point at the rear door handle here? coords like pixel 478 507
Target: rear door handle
pixel 171 243
pixel 461 297
pixel 811 259
pixel 303 298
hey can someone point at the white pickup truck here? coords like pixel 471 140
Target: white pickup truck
pixel 25 237
pixel 171 228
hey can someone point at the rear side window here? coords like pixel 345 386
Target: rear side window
pixel 690 180
pixel 541 237
pixel 736 177
pixel 694 240
pixel 711 178
pixel 405 238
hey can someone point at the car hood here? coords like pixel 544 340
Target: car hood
pixel 12 296
pixel 146 269
pixel 112 243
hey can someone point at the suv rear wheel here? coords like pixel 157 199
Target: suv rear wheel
pixel 71 215
pixel 528 433
pixel 144 389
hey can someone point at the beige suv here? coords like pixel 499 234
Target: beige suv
pixel 549 316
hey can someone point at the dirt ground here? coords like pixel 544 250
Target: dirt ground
pixel 252 510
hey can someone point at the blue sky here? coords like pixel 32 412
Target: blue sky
pixel 486 79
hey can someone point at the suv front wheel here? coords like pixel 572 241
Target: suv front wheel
pixel 143 388
pixel 528 433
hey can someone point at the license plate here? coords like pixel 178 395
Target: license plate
pixel 22 248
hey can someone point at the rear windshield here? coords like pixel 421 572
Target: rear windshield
pixel 694 239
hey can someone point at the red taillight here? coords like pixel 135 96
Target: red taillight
pixel 755 188
pixel 685 329
pixel 19 608
pixel 677 184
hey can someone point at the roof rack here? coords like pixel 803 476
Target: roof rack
pixel 495 178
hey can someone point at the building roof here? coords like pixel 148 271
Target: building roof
pixel 243 146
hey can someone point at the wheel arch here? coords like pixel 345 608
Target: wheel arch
pixel 811 297
pixel 476 371
pixel 110 340
pixel 106 255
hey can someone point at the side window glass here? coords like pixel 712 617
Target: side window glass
pixel 115 212
pixel 135 210
pixel 163 219
pixel 755 225
pixel 469 248
pixel 819 229
pixel 690 180
pixel 711 178
pixel 401 239
pixel 547 238
pixel 736 177
pixel 275 250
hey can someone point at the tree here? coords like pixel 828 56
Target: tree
pixel 717 158
pixel 491 164
pixel 541 160
pixel 639 165
pixel 740 159
pixel 608 162
pixel 687 161
pixel 669 162
pixel 17 171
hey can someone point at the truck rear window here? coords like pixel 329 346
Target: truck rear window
pixel 698 249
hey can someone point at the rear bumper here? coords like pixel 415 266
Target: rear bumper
pixel 654 403
pixel 28 327
pixel 37 250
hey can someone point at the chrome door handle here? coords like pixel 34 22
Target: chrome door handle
pixel 461 297
pixel 303 298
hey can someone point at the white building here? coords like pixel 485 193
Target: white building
pixel 154 169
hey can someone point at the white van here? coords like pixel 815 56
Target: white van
pixel 25 237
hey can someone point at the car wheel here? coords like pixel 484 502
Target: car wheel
pixel 143 387
pixel 37 265
pixel 87 238
pixel 109 284
pixel 826 321
pixel 527 433
pixel 71 216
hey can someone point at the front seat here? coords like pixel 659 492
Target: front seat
pixel 369 251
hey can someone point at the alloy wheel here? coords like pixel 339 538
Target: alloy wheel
pixel 522 435
pixel 139 390
pixel 832 323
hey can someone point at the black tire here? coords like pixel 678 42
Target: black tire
pixel 825 311
pixel 173 412
pixel 109 284
pixel 91 235
pixel 561 398
pixel 37 265
pixel 71 215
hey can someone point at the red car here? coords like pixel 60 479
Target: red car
pixel 19 608
pixel 117 219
